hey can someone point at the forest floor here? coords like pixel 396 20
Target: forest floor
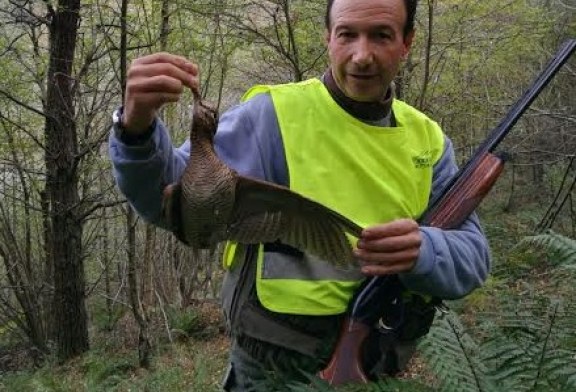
pixel 184 365
pixel 188 363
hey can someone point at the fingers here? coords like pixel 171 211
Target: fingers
pixel 398 235
pixel 394 228
pixel 381 269
pixel 401 256
pixel 389 248
pixel 393 243
pixel 171 74
pixel 153 81
pixel 163 57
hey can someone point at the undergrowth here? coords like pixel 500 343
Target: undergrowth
pixel 525 343
pixel 189 366
pixel 515 334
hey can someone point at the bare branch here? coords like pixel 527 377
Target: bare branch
pixel 24 105
pixel 21 128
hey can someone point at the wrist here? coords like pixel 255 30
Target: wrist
pixel 135 127
pixel 131 135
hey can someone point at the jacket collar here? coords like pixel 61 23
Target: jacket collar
pixel 366 111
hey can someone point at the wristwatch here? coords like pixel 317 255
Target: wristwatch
pixel 128 138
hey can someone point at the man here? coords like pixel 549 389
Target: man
pixel 342 140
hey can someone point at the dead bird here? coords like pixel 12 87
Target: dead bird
pixel 213 203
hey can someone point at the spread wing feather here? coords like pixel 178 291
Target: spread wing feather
pixel 265 212
pixel 172 212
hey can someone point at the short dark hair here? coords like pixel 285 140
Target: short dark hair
pixel 410 15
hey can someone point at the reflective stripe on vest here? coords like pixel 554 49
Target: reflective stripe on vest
pixel 369 174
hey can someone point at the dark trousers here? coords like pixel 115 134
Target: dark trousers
pixel 247 374
pixel 383 355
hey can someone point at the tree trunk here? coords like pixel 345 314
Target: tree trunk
pixel 48 271
pixel 428 53
pixel 138 310
pixel 71 328
pixel 144 346
pixel 147 282
pixel 106 260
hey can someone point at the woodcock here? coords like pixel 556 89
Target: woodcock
pixel 213 203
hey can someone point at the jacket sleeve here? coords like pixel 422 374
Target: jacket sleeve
pixel 243 141
pixel 451 263
pixel 141 172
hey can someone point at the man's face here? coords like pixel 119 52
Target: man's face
pixel 366 45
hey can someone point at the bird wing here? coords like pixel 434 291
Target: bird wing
pixel 171 210
pixel 265 212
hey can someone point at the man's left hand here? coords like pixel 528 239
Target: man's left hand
pixel 389 248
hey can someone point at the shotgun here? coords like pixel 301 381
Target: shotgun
pixel 448 210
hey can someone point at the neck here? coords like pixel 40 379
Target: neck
pixel 367 111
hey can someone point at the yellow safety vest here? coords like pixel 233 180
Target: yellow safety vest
pixel 369 174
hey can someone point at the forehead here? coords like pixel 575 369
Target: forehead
pixel 368 13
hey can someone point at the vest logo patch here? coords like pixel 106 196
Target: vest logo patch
pixel 422 160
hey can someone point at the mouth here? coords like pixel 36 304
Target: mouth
pixel 363 76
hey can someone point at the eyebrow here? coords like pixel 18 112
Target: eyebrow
pixel 351 26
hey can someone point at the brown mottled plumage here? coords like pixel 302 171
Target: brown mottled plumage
pixel 213 203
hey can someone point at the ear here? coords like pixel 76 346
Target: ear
pixel 407 44
pixel 327 36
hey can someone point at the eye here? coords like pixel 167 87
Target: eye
pixel 346 34
pixel 383 35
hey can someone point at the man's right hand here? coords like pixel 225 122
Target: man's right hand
pixel 152 81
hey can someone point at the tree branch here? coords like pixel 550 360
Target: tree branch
pixel 24 105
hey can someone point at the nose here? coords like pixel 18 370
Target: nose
pixel 363 53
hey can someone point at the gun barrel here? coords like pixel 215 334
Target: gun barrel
pixel 513 115
pixel 545 76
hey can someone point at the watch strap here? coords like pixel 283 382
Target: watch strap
pixel 128 138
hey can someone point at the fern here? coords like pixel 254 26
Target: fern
pixel 452 355
pixel 532 357
pixel 563 249
pixel 532 345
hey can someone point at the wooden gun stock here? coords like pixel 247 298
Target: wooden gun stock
pixel 344 365
pixel 449 210
pixel 463 199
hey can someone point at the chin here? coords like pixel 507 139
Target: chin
pixel 364 97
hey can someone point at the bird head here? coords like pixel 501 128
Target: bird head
pixel 204 118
